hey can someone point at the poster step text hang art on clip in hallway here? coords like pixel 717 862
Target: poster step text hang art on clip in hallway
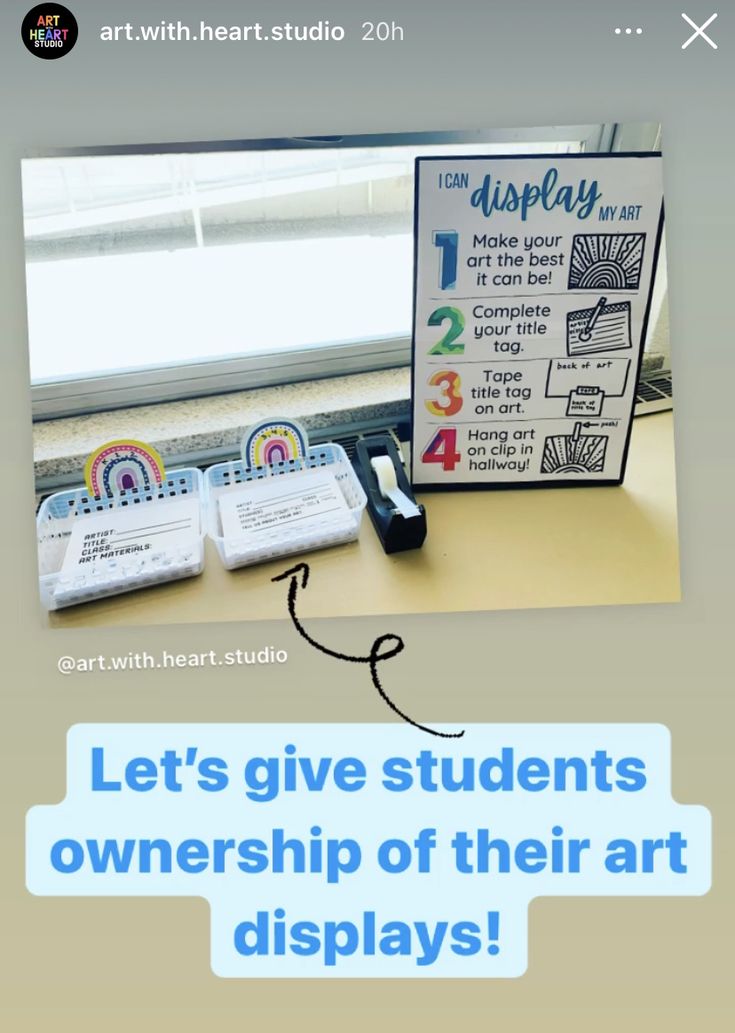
pixel 532 293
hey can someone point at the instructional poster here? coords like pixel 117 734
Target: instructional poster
pixel 533 286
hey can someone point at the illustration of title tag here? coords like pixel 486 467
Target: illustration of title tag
pixel 533 285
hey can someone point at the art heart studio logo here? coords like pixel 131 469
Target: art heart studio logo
pixel 49 31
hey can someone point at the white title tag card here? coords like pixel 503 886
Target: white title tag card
pixel 532 294
pixel 288 504
pixel 131 538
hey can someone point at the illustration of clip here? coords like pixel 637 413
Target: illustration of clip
pixel 399 521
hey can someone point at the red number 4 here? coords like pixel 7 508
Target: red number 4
pixel 443 449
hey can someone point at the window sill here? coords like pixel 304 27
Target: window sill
pixel 209 429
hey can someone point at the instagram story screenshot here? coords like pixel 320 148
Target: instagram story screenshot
pixel 367 537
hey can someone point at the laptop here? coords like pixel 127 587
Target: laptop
pixel 654 392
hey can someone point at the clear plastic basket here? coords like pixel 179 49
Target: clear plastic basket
pixel 282 540
pixel 60 512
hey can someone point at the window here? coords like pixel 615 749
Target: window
pixel 187 271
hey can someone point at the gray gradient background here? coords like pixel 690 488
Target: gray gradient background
pixel 655 964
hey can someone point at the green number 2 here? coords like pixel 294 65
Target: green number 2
pixel 446 345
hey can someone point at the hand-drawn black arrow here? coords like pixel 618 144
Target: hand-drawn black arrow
pixel 299 576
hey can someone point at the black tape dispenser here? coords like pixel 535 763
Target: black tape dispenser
pixel 399 521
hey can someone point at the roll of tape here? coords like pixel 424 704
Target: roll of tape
pixel 385 472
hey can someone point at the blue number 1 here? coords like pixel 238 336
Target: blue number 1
pixel 447 241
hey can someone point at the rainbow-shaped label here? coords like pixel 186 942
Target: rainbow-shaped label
pixel 121 466
pixel 273 441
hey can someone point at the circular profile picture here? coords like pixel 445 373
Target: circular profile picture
pixel 49 31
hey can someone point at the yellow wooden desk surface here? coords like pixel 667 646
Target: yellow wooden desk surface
pixel 484 551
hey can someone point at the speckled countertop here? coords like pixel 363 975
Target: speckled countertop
pixel 60 447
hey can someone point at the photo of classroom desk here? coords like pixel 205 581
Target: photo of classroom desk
pixel 485 550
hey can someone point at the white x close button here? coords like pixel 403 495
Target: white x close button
pixel 699 32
